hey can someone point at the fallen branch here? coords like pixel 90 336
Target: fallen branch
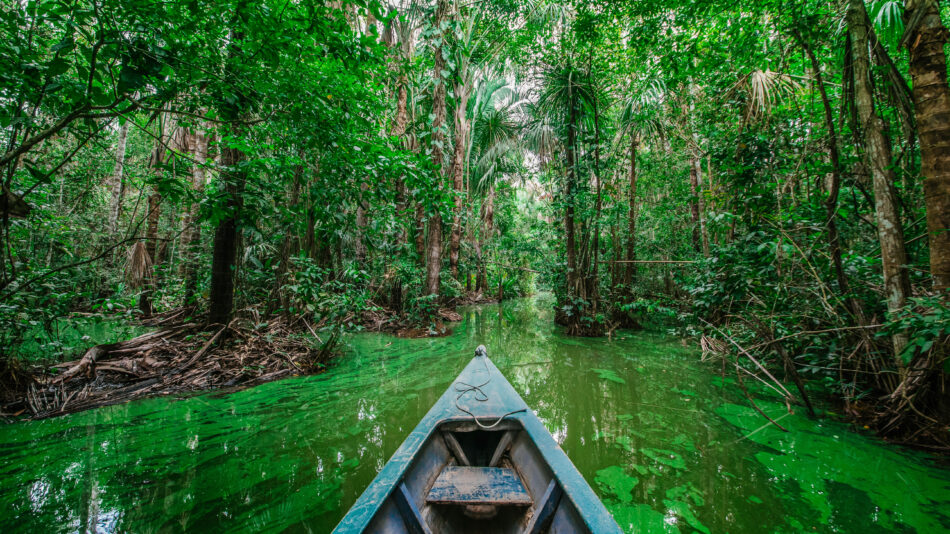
pixel 87 361
pixel 92 355
pixel 756 362
pixel 752 402
pixel 201 352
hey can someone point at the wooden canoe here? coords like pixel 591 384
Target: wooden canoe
pixel 479 462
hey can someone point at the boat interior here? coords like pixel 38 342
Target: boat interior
pixel 466 479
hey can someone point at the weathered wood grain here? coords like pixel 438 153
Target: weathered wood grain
pixel 479 485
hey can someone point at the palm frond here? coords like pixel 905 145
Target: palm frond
pixel 888 17
pixel 138 265
pixel 764 89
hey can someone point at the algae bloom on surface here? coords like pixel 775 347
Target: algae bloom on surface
pixel 615 481
pixel 293 456
pixel 611 376
pixel 828 463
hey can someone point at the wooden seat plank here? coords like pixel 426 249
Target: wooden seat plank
pixel 478 485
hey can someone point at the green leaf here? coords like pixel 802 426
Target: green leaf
pixel 57 66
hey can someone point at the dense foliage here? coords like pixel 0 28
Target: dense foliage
pixel 771 173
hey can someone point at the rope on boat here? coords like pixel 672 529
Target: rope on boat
pixel 480 395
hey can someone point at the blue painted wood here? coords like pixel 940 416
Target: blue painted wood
pixel 503 444
pixel 544 512
pixel 453 445
pixel 502 398
pixel 410 514
pixel 478 485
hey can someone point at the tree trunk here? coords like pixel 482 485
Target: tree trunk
pixel 701 205
pixel 399 131
pixel 233 177
pixel 593 274
pixel 402 113
pixel 877 153
pixel 155 163
pixel 458 173
pixel 434 254
pixel 928 69
pixel 118 178
pixel 434 238
pixel 191 237
pixel 569 229
pixel 361 224
pixel 488 221
pixel 833 187
pixel 189 146
pixel 630 270
pixel 396 28
pixel 287 249
pixel 310 235
pixel 616 247
pixel 224 254
pixel 694 203
pixel 419 235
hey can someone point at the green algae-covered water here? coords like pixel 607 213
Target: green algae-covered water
pixel 667 444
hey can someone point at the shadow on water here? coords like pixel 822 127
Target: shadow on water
pixel 667 444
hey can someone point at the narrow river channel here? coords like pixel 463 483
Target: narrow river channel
pixel 666 443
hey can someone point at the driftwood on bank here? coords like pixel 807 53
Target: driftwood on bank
pixel 178 358
pixel 142 343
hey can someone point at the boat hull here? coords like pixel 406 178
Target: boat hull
pixel 453 433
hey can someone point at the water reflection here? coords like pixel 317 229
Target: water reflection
pixel 657 434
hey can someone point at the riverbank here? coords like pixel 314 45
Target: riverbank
pixel 178 355
pixel 667 444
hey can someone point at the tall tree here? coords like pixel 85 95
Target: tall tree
pixel 877 155
pixel 197 142
pixel 233 178
pixel 462 92
pixel 629 273
pixel 434 237
pixel 925 37
pixel 118 178
pixel 153 215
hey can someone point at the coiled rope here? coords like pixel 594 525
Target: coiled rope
pixel 463 387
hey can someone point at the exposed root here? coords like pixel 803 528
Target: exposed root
pixel 175 359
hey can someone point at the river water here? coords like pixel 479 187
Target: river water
pixel 665 442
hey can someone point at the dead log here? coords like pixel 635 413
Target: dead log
pixel 92 355
pixel 201 352
pixel 87 361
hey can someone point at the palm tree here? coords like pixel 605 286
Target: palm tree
pixel 494 149
pixel 568 101
pixel 640 118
